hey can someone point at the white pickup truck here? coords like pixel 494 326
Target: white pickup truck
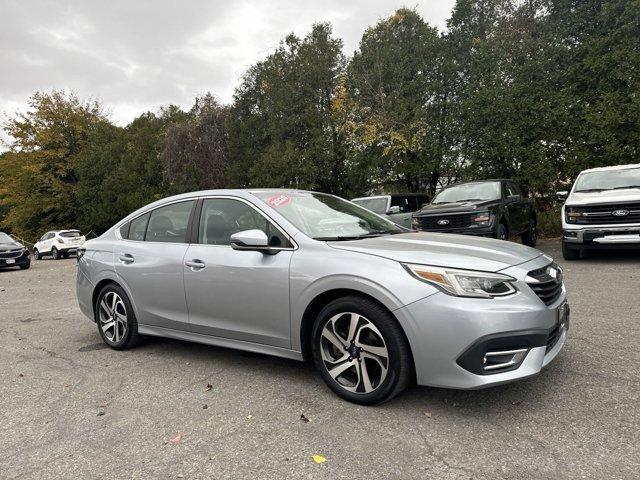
pixel 602 210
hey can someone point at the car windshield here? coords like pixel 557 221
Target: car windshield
pixel 377 205
pixel 326 217
pixel 469 191
pixel 70 234
pixel 4 238
pixel 608 180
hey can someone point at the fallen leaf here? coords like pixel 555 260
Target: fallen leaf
pixel 318 459
pixel 208 387
pixel 427 414
pixel 179 476
pixel 204 407
pixel 101 413
pixel 104 403
pixel 20 375
pixel 176 439
pixel 249 417
pixel 516 402
pixel 67 385
pixel 304 418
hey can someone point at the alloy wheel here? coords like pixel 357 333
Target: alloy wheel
pixel 354 352
pixel 113 317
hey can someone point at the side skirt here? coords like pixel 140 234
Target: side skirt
pixel 219 342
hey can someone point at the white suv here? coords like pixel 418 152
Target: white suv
pixel 58 244
pixel 602 210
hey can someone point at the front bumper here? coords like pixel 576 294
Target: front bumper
pixel 451 336
pixel 22 260
pixel 603 236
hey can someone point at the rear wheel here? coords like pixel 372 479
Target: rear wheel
pixel 530 237
pixel 570 253
pixel 360 351
pixel 55 253
pixel 115 319
pixel 25 266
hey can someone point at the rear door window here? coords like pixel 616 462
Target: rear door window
pixel 169 224
pixel 138 227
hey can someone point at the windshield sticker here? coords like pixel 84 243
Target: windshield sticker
pixel 278 200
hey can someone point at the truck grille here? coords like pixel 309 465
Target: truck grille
pixel 546 286
pixel 454 221
pixel 604 214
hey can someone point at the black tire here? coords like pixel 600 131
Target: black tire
pixel 399 362
pixel 570 253
pixel 131 337
pixel 530 237
pixel 36 254
pixel 501 232
pixel 25 266
pixel 55 253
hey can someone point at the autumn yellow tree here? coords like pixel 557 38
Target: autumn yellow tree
pixel 37 176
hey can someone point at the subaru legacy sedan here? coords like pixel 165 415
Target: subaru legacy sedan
pixel 306 275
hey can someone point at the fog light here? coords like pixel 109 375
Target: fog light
pixel 571 234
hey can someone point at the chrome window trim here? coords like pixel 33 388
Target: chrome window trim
pixel 208 197
pixel 119 237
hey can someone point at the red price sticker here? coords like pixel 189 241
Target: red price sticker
pixel 278 200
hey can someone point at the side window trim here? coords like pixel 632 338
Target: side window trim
pixel 196 230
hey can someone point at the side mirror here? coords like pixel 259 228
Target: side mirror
pixel 394 209
pixel 514 198
pixel 562 195
pixel 249 240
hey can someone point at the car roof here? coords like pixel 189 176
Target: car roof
pixel 614 167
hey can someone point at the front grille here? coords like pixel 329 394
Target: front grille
pixel 11 254
pixel 455 221
pixel 547 287
pixel 603 214
pixel 552 339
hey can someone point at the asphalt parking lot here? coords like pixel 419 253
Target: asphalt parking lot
pixel 72 408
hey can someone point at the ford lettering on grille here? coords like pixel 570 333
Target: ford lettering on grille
pixel 620 213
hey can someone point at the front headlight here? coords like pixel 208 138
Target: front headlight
pixel 464 283
pixel 482 219
pixel 572 214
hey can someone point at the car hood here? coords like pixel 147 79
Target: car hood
pixel 466 206
pixel 443 250
pixel 10 246
pixel 607 196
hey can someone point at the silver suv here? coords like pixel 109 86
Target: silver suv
pixel 305 275
pixel 602 210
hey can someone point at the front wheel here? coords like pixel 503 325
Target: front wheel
pixel 530 237
pixel 36 254
pixel 25 266
pixel 115 319
pixel 360 351
pixel 501 232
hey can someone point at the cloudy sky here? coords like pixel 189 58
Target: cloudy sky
pixel 135 55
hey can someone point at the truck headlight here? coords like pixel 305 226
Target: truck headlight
pixel 572 214
pixel 415 223
pixel 464 283
pixel 482 219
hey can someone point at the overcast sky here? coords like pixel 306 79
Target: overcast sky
pixel 137 55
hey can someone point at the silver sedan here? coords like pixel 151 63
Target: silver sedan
pixel 306 275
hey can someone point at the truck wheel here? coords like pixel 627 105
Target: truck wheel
pixel 530 237
pixel 570 253
pixel 501 232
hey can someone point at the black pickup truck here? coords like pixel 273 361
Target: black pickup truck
pixel 489 208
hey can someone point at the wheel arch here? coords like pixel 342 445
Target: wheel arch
pixel 321 300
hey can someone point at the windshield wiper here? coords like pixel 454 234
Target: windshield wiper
pixel 626 186
pixel 592 190
pixel 375 233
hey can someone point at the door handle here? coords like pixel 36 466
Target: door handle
pixel 195 264
pixel 126 258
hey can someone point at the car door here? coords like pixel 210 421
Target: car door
pixel 47 242
pixel 150 262
pixel 238 294
pixel 514 207
pixel 520 208
pixel 402 218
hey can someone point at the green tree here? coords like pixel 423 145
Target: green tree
pixel 399 83
pixel 282 126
